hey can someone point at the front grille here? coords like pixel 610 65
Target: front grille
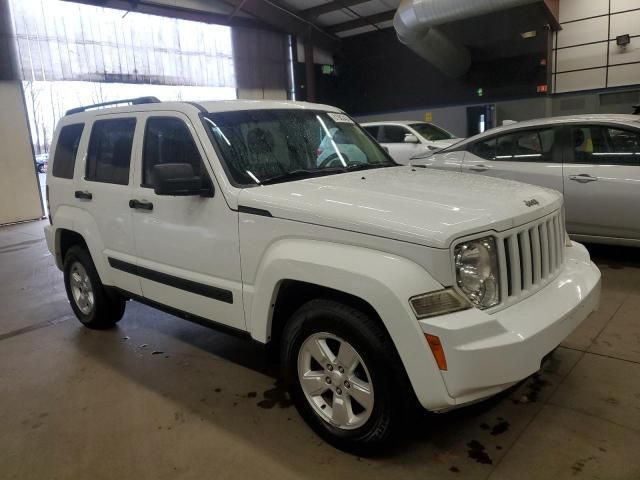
pixel 530 257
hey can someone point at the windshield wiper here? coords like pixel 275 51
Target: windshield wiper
pixel 301 174
pixel 368 166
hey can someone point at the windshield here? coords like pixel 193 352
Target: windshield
pixel 431 132
pixel 265 146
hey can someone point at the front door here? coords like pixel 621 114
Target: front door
pixel 602 181
pixel 187 246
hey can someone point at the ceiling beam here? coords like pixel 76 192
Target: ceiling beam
pixel 314 12
pixel 361 22
pixel 152 8
pixel 283 19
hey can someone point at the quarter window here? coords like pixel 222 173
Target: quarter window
pixel 168 140
pixel 605 145
pixel 109 154
pixel 64 160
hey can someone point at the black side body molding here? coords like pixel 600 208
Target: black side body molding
pixel 216 293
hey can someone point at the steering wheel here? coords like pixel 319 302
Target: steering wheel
pixel 333 160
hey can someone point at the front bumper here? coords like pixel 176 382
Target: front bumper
pixel 489 353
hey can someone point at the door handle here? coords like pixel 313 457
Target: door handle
pixel 139 205
pixel 83 195
pixel 478 168
pixel 583 178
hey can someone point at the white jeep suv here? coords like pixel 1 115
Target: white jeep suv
pixel 383 286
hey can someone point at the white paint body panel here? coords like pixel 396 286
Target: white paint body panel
pixel 381 235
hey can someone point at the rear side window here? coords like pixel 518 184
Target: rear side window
pixel 109 154
pixel 64 160
pixel 601 145
pixel 167 140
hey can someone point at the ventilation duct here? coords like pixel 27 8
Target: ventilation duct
pixel 416 21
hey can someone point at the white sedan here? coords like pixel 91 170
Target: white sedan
pixel 593 159
pixel 406 139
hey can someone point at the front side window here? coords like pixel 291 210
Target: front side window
pixel 523 146
pixel 393 134
pixel 373 131
pixel 485 150
pixel 64 160
pixel 168 140
pixel 431 132
pixel 269 146
pixel 109 155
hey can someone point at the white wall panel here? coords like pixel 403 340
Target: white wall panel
pixel 621 5
pixel 19 189
pixel 585 31
pixel 630 53
pixel 577 9
pixel 626 23
pixel 624 75
pixel 585 56
pixel 582 80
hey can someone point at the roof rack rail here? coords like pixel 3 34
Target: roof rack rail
pixel 130 101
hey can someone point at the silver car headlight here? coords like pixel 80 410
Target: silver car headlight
pixel 477 271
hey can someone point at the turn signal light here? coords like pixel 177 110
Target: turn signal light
pixel 438 303
pixel 437 351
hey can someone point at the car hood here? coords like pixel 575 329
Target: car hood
pixel 428 207
pixel 445 143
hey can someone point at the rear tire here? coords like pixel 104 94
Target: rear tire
pixel 352 394
pixel 94 305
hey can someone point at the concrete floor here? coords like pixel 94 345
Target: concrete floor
pixel 160 398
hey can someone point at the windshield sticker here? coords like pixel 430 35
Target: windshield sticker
pixel 339 117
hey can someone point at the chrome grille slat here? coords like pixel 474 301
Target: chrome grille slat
pixel 552 245
pixel 504 289
pixel 530 257
pixel 544 242
pixel 525 260
pixel 534 233
pixel 514 262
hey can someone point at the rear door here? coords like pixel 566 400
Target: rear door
pixel 602 181
pixel 530 156
pixel 103 191
pixel 187 246
pixel 392 137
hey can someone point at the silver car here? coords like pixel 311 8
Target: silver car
pixel 593 159
pixel 406 139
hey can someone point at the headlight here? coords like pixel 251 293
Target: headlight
pixel 477 272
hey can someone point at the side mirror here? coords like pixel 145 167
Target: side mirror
pixel 176 179
pixel 385 148
pixel 411 138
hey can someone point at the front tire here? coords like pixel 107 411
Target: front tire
pixel 93 304
pixel 344 376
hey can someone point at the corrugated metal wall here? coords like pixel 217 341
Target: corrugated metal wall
pixel 64 41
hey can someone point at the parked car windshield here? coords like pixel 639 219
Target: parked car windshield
pixel 270 146
pixel 431 132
